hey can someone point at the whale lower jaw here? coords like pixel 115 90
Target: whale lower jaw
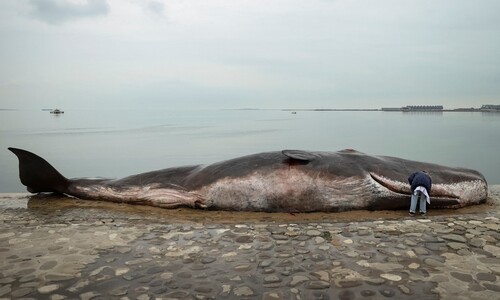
pixel 453 195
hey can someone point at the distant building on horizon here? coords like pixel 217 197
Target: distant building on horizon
pixel 415 108
pixel 439 108
pixel 423 107
pixel 490 107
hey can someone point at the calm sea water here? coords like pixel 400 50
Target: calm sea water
pixel 117 143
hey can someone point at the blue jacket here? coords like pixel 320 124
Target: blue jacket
pixel 420 179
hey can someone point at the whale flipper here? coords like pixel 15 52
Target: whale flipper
pixel 38 175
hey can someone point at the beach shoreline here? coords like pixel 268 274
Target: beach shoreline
pixel 71 205
pixel 63 248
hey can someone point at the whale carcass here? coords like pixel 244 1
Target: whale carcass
pixel 281 181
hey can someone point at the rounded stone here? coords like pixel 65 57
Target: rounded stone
pixel 155 250
pixel 266 246
pixel 208 260
pixel 48 265
pixel 486 277
pixel 457 246
pixel 464 252
pixel 436 246
pixel 421 251
pixel 187 260
pixel 462 276
pixel 318 257
pixel 302 251
pixel 475 222
pixel 491 287
pixel 119 291
pixel 313 232
pixel 319 240
pixel 243 268
pixel 413 266
pixel 143 297
pixel 455 238
pixel 391 277
pixel 121 271
pixel 352 254
pixel 476 287
pixel 177 294
pixel 321 275
pixel 433 262
pixel 243 291
pixel 317 285
pixel 27 278
pixel 493 250
pixel 265 263
pixel 364 232
pixel 349 283
pixel 19 293
pixel 387 293
pixel 7 280
pixel 245 247
pixel 477 242
pixel 298 279
pixel 57 297
pixel 280 237
pixel 25 272
pixel 48 288
pixel 244 239
pixel 272 296
pixel 404 289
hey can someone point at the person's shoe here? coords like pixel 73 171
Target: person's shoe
pixel 422 214
pixel 412 213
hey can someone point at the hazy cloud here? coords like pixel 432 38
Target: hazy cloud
pixel 258 53
pixel 156 7
pixel 59 11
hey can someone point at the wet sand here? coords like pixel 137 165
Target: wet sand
pixel 47 203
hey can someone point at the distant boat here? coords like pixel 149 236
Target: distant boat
pixel 56 111
pixel 294 112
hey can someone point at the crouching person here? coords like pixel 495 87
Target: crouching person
pixel 421 184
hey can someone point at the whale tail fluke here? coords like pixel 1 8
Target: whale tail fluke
pixel 38 175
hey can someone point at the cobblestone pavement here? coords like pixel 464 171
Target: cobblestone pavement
pixel 96 253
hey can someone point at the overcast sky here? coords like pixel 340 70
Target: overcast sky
pixel 237 54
